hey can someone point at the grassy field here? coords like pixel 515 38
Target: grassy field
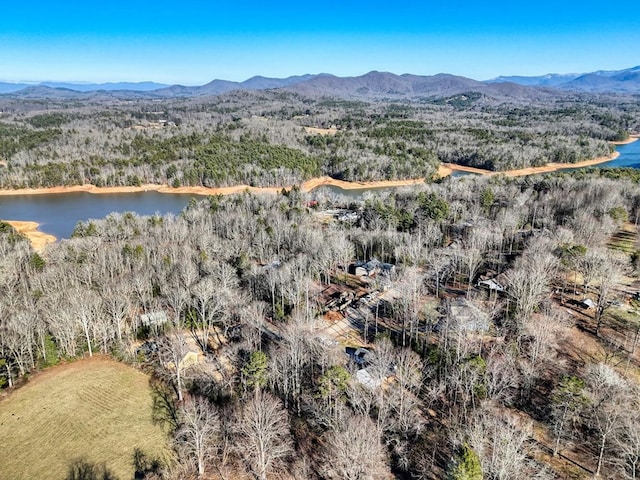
pixel 97 409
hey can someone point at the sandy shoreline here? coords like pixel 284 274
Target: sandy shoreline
pixel 344 185
pixel 305 187
pixel 631 139
pixel 38 239
pixel 549 167
pixel 444 170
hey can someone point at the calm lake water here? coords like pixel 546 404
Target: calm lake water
pixel 58 214
pixel 629 157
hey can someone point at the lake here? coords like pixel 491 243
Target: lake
pixel 58 214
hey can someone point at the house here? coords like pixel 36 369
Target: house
pixel 588 304
pixel 463 316
pixel 349 217
pixel 371 268
pixel 274 265
pixel 357 355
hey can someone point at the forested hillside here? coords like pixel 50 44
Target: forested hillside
pixel 279 138
pixel 482 357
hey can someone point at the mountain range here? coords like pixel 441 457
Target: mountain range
pixel 617 81
pixel 369 86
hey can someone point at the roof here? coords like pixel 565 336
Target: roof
pixel 491 284
pixel 467 316
pixel 153 318
pixel 364 377
pixel 371 267
pixel 358 355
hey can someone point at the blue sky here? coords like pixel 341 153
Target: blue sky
pixel 192 42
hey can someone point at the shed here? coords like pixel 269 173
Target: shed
pixel 153 319
pixel 588 304
pixel 491 284
pixel 358 355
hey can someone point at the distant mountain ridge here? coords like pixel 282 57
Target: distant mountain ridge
pixel 601 81
pixel 388 85
pixel 7 87
pixel 372 85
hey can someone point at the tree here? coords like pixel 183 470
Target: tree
pixel 172 350
pixel 433 206
pixel 353 451
pixel 568 401
pixel 466 466
pixel 207 307
pixel 87 308
pixel 608 396
pixel 198 435
pixel 254 372
pixel 82 469
pixel 612 267
pixel 332 387
pixel 529 280
pixel 264 440
pixel 627 443
pixel 403 393
pixel 502 446
pixel 290 361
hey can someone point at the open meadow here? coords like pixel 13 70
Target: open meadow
pixel 95 409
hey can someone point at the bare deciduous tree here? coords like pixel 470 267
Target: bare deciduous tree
pixel 608 395
pixel 197 438
pixel 172 349
pixel 354 452
pixel 264 441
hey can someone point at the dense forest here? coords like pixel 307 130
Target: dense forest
pixel 278 138
pixel 480 356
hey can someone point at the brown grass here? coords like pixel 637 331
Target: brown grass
pixel 98 409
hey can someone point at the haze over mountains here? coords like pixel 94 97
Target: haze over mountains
pixel 624 81
pixel 371 85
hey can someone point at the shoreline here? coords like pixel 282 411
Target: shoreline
pixel 548 168
pixel 631 139
pixel 39 240
pixel 306 186
pixel 444 170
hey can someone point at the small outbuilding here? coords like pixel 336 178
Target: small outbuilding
pixel 153 319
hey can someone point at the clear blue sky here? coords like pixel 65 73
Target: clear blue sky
pixel 192 42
